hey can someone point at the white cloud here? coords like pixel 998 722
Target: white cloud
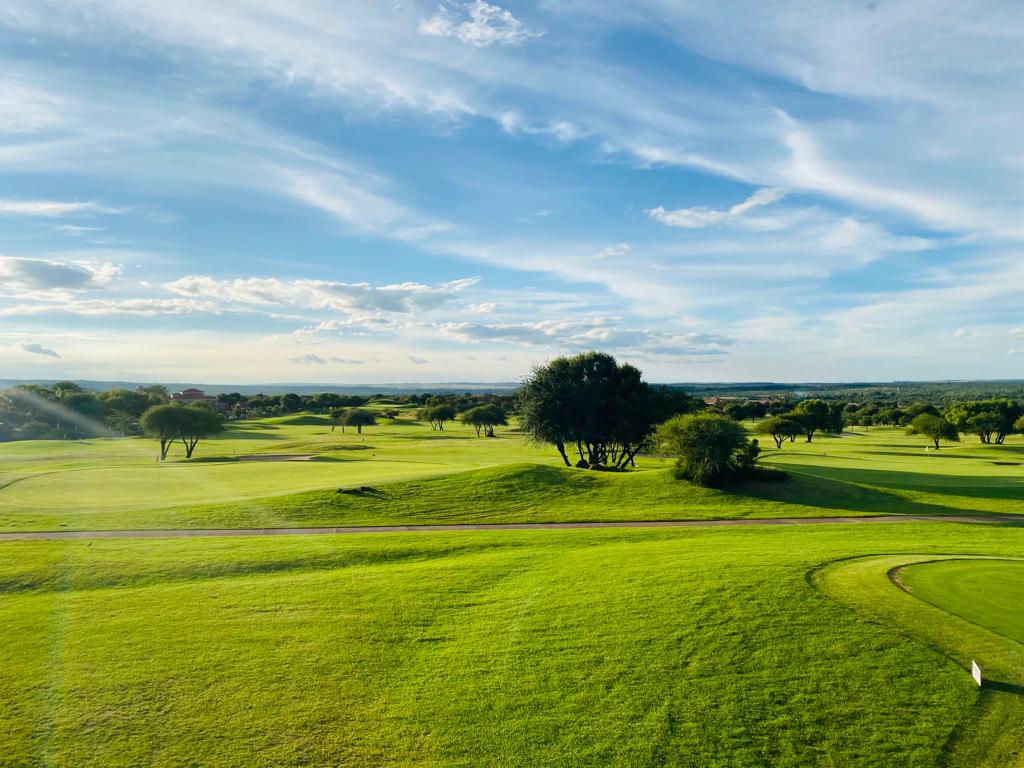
pixel 23 274
pixel 405 298
pixel 37 349
pixel 486 24
pixel 346 195
pixel 51 208
pixel 588 334
pixel 417 360
pixel 76 231
pixel 613 251
pixel 24 109
pixel 697 218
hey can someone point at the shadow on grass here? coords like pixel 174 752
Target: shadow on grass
pixel 1009 488
pixel 812 490
pixel 997 685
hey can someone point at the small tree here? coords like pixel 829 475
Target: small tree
pixel 934 427
pixel 814 415
pixel 198 423
pixel 164 423
pixel 338 419
pixel 437 415
pixel 358 418
pixel 781 429
pixel 712 449
pixel 484 418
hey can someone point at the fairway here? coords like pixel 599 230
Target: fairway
pixel 763 645
pixel 989 593
pixel 703 648
pixel 419 476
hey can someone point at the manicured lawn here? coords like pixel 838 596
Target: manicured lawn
pixel 989 593
pixel 706 647
pixel 421 476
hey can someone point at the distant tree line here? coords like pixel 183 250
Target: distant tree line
pixel 66 411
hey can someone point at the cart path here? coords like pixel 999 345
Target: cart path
pixel 220 532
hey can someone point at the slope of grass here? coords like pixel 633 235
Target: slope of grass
pixel 700 648
pixel 990 735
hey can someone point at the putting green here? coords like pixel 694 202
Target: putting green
pixel 988 593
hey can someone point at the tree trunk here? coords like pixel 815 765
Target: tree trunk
pixel 778 441
pixel 561 451
pixel 164 447
pixel 936 441
pixel 359 429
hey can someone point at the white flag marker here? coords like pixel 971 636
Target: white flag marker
pixel 975 671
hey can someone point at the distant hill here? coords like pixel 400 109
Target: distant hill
pixel 895 391
pixel 498 388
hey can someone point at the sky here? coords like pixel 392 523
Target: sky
pixel 370 192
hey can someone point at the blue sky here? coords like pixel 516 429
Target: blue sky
pixel 411 191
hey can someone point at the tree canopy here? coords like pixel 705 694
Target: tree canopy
pixel 780 428
pixel 438 414
pixel 168 423
pixel 484 418
pixel 934 427
pixel 358 418
pixel 591 403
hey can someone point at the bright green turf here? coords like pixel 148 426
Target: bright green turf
pixel 421 476
pixel 989 593
pixel 704 647
pixel 991 736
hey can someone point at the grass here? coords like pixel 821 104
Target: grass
pixel 983 592
pixel 422 476
pixel 782 646
pixel 706 647
pixel 990 733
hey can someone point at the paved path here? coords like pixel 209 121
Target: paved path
pixel 199 532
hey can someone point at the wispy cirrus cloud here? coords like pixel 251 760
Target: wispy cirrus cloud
pixel 52 208
pixel 697 218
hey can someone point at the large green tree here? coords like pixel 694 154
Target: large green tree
pixel 590 404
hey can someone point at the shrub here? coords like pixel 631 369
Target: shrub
pixel 712 449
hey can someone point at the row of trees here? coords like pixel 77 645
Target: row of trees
pixel 66 411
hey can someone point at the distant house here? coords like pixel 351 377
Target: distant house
pixel 189 396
